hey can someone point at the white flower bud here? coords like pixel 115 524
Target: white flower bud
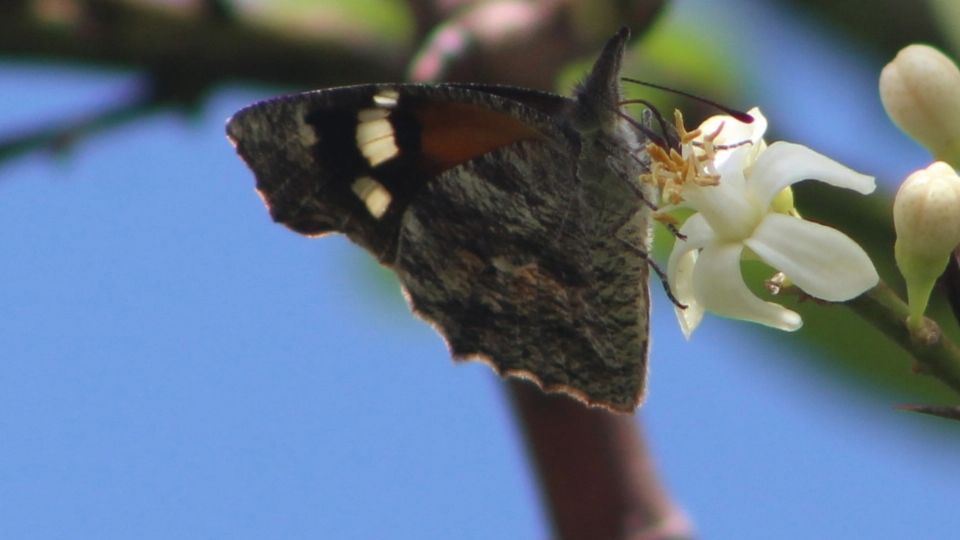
pixel 920 90
pixel 926 214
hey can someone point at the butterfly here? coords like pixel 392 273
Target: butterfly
pixel 514 219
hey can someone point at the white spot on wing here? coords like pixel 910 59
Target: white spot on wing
pixel 373 194
pixel 375 136
pixel 387 98
pixel 370 115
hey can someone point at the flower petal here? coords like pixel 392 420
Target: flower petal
pixel 736 134
pixel 824 262
pixel 698 233
pixel 680 267
pixel 681 285
pixel 783 164
pixel 730 212
pixel 735 131
pixel 717 283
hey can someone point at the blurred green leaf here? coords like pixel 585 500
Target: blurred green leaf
pixel 389 20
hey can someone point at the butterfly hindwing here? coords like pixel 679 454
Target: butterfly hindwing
pixel 515 272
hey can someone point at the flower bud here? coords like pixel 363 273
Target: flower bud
pixel 926 214
pixel 920 90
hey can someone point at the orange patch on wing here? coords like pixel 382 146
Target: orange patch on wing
pixel 452 133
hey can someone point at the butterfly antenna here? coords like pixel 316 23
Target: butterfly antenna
pixel 739 115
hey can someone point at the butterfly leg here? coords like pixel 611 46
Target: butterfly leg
pixel 656 268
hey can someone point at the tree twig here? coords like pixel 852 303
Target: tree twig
pixel 149 35
pixel 950 413
pixel 595 470
pixel 63 135
pixel 188 50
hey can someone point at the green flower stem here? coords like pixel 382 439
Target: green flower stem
pixel 934 352
pixel 918 295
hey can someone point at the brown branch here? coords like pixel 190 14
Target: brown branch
pixel 187 50
pixel 520 42
pixel 211 41
pixel 596 473
pixel 63 135
pixel 184 53
pixel 198 43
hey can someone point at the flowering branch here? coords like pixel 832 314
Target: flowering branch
pixel 935 353
pixel 738 187
pixel 920 90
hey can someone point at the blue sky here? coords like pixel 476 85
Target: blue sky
pixel 175 365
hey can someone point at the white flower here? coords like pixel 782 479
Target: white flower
pixel 738 188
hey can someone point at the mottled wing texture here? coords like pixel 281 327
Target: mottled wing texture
pixel 516 256
pixel 516 262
